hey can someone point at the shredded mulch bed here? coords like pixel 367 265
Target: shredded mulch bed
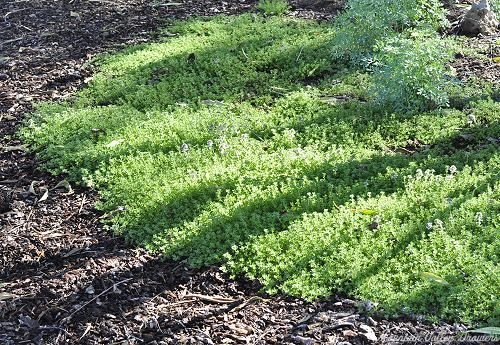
pixel 65 279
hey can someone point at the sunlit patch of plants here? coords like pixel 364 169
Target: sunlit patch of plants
pixel 240 142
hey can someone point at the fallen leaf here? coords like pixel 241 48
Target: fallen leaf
pixel 311 72
pixel 31 188
pixel 433 278
pixel 365 211
pixel 44 196
pixel 368 333
pixel 486 330
pixel 64 184
pixel 114 143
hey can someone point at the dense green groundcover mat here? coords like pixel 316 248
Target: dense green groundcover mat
pixel 239 142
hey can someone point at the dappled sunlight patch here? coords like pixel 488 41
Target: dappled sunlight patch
pixel 381 255
pixel 238 142
pixel 247 53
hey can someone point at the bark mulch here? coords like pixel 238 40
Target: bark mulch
pixel 64 279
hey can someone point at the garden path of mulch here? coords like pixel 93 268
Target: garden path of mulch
pixel 66 280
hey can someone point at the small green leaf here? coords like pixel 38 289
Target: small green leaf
pixel 368 212
pixel 311 72
pixel 44 196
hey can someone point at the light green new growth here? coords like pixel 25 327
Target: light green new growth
pixel 273 7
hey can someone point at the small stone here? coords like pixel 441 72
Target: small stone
pixel 480 19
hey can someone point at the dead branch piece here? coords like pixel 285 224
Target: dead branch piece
pixel 235 337
pixel 339 325
pixel 215 299
pixel 82 204
pixel 238 304
pixel 86 331
pixel 249 301
pixel 175 304
pixel 53 328
pixel 13 12
pixel 263 334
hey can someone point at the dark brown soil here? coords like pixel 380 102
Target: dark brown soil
pixel 64 279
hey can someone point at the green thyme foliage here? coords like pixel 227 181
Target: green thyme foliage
pixel 237 143
pixel 432 225
pixel 273 7
pixel 495 5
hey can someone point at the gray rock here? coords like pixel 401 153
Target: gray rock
pixel 480 19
